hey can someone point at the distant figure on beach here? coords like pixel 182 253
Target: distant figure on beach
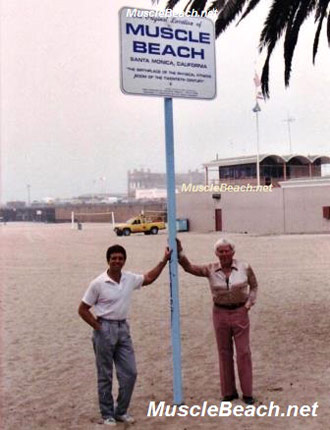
pixel 110 294
pixel 234 288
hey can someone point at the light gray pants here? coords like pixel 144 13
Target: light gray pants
pixel 113 344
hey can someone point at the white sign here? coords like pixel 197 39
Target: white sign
pixel 167 56
pixel 151 193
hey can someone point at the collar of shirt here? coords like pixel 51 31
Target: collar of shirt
pixel 106 278
pixel 233 266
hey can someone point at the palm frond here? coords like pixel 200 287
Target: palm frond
pixel 250 7
pixel 216 4
pixel 172 3
pixel 198 5
pixel 284 16
pixel 265 71
pixel 277 20
pixel 320 15
pixel 280 15
pixel 227 14
pixel 319 7
pixel 291 36
pixel 187 7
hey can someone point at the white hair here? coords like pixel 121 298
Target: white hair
pixel 223 242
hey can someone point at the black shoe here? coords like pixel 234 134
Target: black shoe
pixel 249 400
pixel 230 398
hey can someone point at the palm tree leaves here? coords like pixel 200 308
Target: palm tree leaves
pixel 227 14
pixel 250 7
pixel 328 29
pixel 285 17
pixel 288 16
pixel 320 14
pixel 198 5
pixel 281 15
pixel 172 3
pixel 303 9
pixel 217 4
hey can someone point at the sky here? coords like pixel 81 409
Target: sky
pixel 65 123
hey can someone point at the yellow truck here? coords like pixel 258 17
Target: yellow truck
pixel 140 224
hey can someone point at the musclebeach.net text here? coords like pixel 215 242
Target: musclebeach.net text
pixel 141 13
pixel 221 188
pixel 227 409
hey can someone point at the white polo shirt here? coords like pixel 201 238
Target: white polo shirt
pixel 110 299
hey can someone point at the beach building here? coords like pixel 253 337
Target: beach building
pixel 293 196
pixel 273 168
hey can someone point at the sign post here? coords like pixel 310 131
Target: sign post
pixel 167 57
pixel 173 267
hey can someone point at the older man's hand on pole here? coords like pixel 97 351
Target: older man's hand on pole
pixel 179 245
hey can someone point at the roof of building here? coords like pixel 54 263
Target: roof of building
pixel 306 182
pixel 249 159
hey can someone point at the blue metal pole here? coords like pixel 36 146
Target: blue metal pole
pixel 173 266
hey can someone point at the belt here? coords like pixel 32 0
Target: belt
pixel 111 321
pixel 229 306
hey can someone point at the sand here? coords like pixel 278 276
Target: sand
pixel 47 363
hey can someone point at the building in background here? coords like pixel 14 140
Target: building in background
pixel 155 183
pixel 297 202
pixel 35 213
pixel 273 168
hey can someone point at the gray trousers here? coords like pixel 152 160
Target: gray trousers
pixel 113 344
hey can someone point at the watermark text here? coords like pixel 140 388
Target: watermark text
pixel 227 409
pixel 224 187
pixel 169 13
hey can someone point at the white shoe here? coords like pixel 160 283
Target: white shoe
pixel 126 418
pixel 109 421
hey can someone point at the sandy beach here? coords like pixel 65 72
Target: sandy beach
pixel 47 363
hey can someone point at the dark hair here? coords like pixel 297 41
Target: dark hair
pixel 115 248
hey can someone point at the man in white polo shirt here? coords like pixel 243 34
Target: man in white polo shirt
pixel 110 294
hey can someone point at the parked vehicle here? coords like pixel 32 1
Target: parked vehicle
pixel 140 224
